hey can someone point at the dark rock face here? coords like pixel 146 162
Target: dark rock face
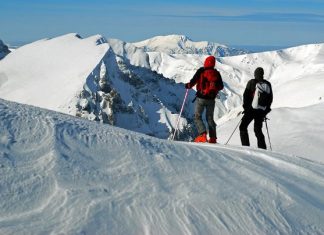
pixel 134 98
pixel 4 50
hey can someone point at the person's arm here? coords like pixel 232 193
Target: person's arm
pixel 194 79
pixel 220 84
pixel 271 97
pixel 248 95
pixel 270 100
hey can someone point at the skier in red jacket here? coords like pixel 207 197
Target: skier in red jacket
pixel 208 82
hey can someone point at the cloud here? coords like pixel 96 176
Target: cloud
pixel 265 17
pixel 283 17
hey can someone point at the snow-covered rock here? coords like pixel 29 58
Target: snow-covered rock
pixel 180 44
pixel 64 175
pixel 124 77
pixel 4 50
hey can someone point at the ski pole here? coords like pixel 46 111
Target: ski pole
pixel 184 101
pixel 265 120
pixel 233 131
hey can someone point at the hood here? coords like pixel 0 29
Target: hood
pixel 210 62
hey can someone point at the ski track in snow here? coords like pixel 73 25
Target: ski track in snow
pixel 64 175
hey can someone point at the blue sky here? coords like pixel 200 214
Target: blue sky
pixel 233 22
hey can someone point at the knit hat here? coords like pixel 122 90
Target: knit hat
pixel 258 73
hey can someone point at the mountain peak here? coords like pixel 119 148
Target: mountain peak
pixel 181 44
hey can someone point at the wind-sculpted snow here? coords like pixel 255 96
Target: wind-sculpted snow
pixel 65 175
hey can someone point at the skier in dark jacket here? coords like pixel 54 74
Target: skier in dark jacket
pixel 253 110
pixel 208 82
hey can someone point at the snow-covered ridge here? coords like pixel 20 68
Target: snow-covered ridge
pixel 98 79
pixel 122 90
pixel 49 73
pixel 116 82
pixel 4 50
pixel 180 44
pixel 64 175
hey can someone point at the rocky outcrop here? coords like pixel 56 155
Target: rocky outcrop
pixel 4 50
pixel 134 98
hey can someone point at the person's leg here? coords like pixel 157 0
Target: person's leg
pixel 246 120
pixel 210 107
pixel 258 121
pixel 199 109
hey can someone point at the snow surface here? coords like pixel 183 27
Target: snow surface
pixel 293 131
pixel 65 175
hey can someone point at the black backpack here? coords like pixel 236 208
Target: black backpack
pixel 262 96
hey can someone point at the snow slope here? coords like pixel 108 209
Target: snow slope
pixel 180 44
pixel 49 73
pixel 65 175
pixel 295 73
pixel 293 131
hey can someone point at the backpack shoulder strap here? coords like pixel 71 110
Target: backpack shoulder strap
pixel 264 86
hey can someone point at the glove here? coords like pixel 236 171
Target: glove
pixel 188 85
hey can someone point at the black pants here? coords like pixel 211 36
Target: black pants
pixel 258 117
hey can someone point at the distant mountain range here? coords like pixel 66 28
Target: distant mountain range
pixel 140 86
pixel 180 44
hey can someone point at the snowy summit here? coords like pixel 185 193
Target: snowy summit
pixel 180 44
